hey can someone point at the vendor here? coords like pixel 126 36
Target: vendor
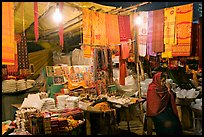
pixel 161 107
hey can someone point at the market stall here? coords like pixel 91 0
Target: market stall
pixel 79 90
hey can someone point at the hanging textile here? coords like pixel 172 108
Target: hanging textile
pixel 110 67
pixel 169 31
pixel 169 25
pixel 124 50
pixel 112 30
pixel 87 51
pixel 142 33
pixel 36 21
pixel 149 34
pixel 124 28
pixel 131 57
pixel 98 29
pixel 61 27
pixel 8 44
pixel 168 51
pixel 87 26
pixel 13 69
pixel 184 17
pixel 158 31
pixel 22 53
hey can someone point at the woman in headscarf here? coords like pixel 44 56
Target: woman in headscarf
pixel 161 107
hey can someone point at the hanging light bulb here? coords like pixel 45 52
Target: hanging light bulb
pixel 138 20
pixel 57 15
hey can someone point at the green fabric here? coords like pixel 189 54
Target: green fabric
pixel 55 89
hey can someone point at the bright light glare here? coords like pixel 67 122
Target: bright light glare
pixel 57 16
pixel 138 20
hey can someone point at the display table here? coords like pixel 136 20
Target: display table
pixel 103 122
pixel 8 111
pixel 185 112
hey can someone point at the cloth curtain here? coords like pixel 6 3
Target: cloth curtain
pixel 8 44
pixel 158 30
pixel 36 21
pixel 184 17
pixel 149 34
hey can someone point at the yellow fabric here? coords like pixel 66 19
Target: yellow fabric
pixel 168 51
pixel 73 85
pixel 8 44
pixel 169 25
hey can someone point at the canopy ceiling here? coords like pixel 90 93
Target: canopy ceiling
pixel 72 18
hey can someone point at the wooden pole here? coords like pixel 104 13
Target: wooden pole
pixel 137 64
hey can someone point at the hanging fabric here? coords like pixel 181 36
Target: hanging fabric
pixel 142 33
pixel 158 31
pixel 169 31
pixel 149 34
pixel 184 17
pixel 87 51
pixel 36 21
pixel 124 50
pixel 8 45
pixel 112 30
pixel 169 25
pixel 87 26
pixel 125 35
pixel 13 69
pixel 98 29
pixel 61 27
pixel 124 28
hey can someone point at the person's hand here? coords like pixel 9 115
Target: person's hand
pixel 168 85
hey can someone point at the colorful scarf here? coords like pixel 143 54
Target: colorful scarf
pixel 169 31
pixel 112 29
pixel 158 31
pixel 184 17
pixel 36 21
pixel 87 26
pixel 8 45
pixel 142 34
pixel 98 28
pixel 149 34
pixel 124 28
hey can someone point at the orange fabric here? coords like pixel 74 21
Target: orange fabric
pixel 87 51
pixel 8 44
pixel 112 29
pixel 98 29
pixel 184 17
pixel 87 26
pixel 124 50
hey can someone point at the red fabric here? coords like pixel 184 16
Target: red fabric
pixel 158 31
pixel 36 21
pixel 61 28
pixel 124 28
pixel 157 99
pixel 124 50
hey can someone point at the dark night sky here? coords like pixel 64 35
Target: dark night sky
pixel 155 6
